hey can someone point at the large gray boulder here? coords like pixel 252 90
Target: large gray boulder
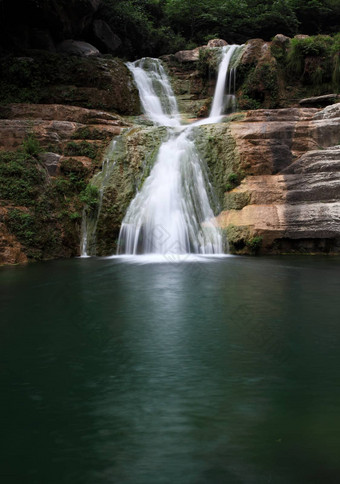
pixel 77 47
pixel 104 35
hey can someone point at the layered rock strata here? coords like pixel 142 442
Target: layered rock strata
pixel 290 195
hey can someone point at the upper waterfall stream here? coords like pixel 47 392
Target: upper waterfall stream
pixel 171 213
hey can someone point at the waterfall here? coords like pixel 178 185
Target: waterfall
pixel 155 92
pixel 225 78
pixel 90 217
pixel 171 213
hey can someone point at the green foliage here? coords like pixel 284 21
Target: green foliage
pixel 84 148
pixel 315 60
pixel 254 244
pixel 93 134
pixel 20 178
pixel 31 145
pixel 90 196
pixel 207 62
pixel 23 225
pixel 233 181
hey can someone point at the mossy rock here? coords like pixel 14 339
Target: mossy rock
pixel 236 200
pixel 242 240
pixel 217 147
pixel 43 77
pixel 130 163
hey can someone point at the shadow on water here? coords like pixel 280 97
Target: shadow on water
pixel 222 370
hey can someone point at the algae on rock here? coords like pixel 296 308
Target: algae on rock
pixel 217 147
pixel 128 166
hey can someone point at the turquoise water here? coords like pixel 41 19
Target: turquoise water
pixel 223 371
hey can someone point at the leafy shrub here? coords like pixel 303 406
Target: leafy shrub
pixel 20 178
pixel 81 149
pixel 255 244
pixel 90 196
pixel 31 145
pixel 232 181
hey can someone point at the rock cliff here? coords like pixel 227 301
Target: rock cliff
pixel 275 171
pixel 290 193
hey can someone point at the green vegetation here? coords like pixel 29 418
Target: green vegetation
pixel 20 178
pixel 84 148
pixel 255 244
pixel 90 196
pixel 155 27
pixel 315 60
pixel 241 241
pixel 43 212
pixel 233 180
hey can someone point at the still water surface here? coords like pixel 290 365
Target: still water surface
pixel 224 371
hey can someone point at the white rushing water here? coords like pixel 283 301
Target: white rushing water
pixel 221 98
pixel 171 214
pixel 155 92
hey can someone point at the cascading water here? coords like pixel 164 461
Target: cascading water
pixel 226 77
pixel 155 92
pixel 89 219
pixel 172 213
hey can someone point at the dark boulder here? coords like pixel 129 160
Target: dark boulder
pixel 105 38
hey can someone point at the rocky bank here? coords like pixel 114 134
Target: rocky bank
pixel 275 169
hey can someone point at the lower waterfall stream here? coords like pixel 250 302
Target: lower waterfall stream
pixel 171 213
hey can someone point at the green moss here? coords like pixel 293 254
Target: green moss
pixel 45 77
pixel 20 178
pixel 217 147
pixel 255 244
pixel 260 87
pixel 208 62
pixel 237 238
pixel 90 196
pixel 31 145
pixel 242 241
pixel 93 134
pixel 235 200
pixel 83 148
pixel 314 60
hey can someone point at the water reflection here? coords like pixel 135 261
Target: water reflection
pixel 148 373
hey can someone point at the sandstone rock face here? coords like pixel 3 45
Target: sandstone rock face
pixel 188 55
pixel 254 51
pixel 52 124
pixel 216 43
pixel 290 195
pixel 75 140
